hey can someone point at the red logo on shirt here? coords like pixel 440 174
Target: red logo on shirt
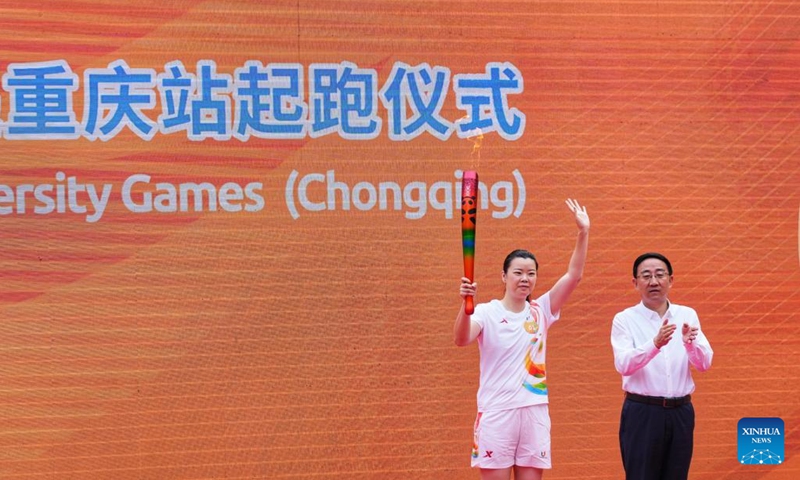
pixel 488 454
pixel 504 321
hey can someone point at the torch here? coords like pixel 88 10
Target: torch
pixel 469 211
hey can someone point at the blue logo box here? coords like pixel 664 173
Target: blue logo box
pixel 761 441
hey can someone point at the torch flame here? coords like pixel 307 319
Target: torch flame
pixel 477 141
pixel 476 136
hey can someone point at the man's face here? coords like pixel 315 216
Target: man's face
pixel 653 281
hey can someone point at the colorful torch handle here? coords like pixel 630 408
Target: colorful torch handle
pixel 469 211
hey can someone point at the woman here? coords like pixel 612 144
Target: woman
pixel 512 429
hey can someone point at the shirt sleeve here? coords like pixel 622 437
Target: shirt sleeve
pixel 479 315
pixel 550 316
pixel 629 357
pixel 699 351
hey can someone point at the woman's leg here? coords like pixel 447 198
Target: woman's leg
pixel 527 473
pixel 496 473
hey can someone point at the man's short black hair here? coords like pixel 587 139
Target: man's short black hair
pixel 641 258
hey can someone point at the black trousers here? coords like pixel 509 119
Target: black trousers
pixel 656 442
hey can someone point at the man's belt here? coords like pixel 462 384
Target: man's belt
pixel 665 402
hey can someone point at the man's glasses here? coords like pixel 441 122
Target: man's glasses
pixel 658 275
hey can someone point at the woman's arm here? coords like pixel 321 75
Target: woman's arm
pixel 566 284
pixel 465 330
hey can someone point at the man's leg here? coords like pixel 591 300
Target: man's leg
pixel 641 440
pixel 680 421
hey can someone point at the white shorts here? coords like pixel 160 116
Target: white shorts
pixel 518 436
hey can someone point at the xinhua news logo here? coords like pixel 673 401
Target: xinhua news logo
pixel 761 441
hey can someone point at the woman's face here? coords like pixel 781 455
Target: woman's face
pixel 520 278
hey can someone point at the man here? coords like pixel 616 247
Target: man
pixel 655 342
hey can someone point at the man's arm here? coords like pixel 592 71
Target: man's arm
pixel 628 359
pixel 697 346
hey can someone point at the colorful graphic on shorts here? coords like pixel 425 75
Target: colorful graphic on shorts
pixel 475 435
pixel 534 357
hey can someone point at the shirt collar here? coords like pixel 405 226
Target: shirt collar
pixel 653 314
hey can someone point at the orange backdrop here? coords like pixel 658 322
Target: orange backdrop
pixel 254 345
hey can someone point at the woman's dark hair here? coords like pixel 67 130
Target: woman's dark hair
pixel 519 254
pixel 641 258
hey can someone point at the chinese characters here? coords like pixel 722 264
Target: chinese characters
pixel 263 101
